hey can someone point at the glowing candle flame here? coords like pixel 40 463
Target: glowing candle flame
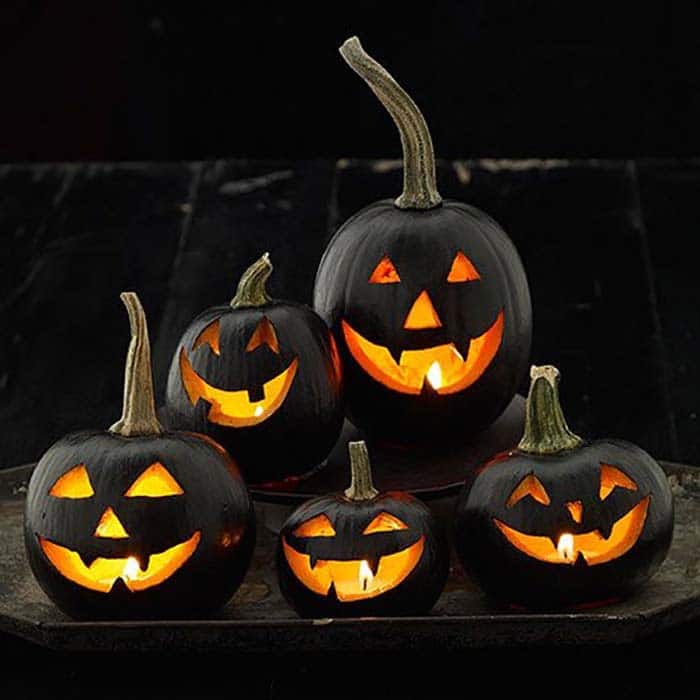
pixel 565 547
pixel 434 375
pixel 366 576
pixel 131 569
pixel 258 411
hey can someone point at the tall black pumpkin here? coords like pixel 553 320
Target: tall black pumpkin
pixel 263 378
pixel 136 522
pixel 560 520
pixel 427 297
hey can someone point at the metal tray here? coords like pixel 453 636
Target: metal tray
pixel 258 619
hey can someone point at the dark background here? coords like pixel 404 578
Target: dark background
pixel 183 139
pixel 116 80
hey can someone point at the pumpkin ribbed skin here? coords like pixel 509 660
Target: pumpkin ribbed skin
pixel 422 245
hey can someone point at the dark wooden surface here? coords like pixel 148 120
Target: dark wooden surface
pixel 608 246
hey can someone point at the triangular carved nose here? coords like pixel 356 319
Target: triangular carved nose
pixel 110 527
pixel 422 314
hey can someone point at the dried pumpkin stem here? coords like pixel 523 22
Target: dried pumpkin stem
pixel 361 487
pixel 251 289
pixel 139 412
pixel 419 185
pixel 546 431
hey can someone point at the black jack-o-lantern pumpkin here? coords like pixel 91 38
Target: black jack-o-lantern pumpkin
pixel 263 378
pixel 362 552
pixel 137 522
pixel 559 520
pixel 427 297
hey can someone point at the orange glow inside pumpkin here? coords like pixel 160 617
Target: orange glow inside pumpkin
pixel 575 509
pixel 75 483
pixel 411 372
pixel 354 580
pixel 384 273
pixel 234 408
pixel 210 336
pixel 103 572
pixel 592 546
pixel 110 526
pixel 462 269
pixel 264 334
pixel 155 482
pixel 529 486
pixel 422 314
pixel 610 478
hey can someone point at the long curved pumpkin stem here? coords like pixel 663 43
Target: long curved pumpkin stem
pixel 139 411
pixel 361 487
pixel 546 431
pixel 419 182
pixel 251 289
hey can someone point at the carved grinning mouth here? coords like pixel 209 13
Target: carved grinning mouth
pixel 591 546
pixel 413 368
pixel 103 572
pixel 234 408
pixel 354 580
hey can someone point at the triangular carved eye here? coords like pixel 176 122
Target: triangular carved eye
pixel 155 482
pixel 612 477
pixel 264 334
pixel 529 486
pixel 385 272
pixel 75 483
pixel 462 269
pixel 210 336
pixel 320 526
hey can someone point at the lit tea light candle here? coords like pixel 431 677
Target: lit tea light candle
pixel 259 410
pixel 365 575
pixel 131 569
pixel 434 375
pixel 565 547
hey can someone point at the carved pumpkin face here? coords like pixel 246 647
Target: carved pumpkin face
pixel 432 314
pixel 381 555
pixel 265 382
pixel 584 525
pixel 235 408
pixel 121 527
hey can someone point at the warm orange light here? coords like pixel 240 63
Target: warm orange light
pixel 422 314
pixel 131 569
pixel 75 483
pixel 384 273
pixel 210 336
pixel 365 576
pixel 155 482
pixel 354 580
pixel 409 375
pixel 529 486
pixel 462 269
pixel 592 546
pixel 434 375
pixel 575 509
pixel 110 526
pixel 320 526
pixel 234 408
pixel 385 522
pixel 611 477
pixel 565 547
pixel 103 572
pixel 264 334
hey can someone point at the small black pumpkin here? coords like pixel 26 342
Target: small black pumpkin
pixel 560 521
pixel 362 552
pixel 137 522
pixel 263 378
pixel 428 299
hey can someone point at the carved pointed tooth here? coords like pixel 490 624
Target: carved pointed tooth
pixel 88 559
pixel 144 562
pixel 313 560
pixel 373 564
pixel 581 562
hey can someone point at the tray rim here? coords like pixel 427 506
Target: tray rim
pixel 508 629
